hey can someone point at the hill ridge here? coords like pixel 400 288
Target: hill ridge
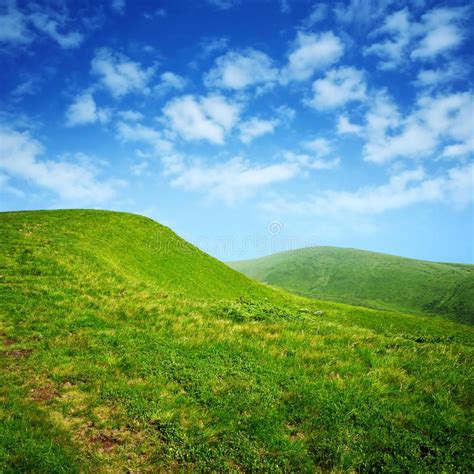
pixel 336 247
pixel 374 279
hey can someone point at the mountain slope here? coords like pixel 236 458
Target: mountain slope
pixel 125 349
pixel 368 278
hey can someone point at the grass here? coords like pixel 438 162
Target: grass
pixel 123 348
pixel 370 279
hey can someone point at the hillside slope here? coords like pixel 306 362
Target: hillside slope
pixel 125 246
pixel 125 349
pixel 368 278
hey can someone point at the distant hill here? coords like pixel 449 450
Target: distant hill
pixel 123 348
pixel 368 278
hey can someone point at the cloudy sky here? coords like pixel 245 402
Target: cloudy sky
pixel 247 126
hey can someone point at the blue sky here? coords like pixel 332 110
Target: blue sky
pixel 248 126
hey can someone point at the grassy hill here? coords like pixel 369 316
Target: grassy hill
pixel 125 349
pixel 371 279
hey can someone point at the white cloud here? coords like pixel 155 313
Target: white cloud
pixel 27 87
pixel 50 26
pixel 14 26
pixel 85 111
pixel 314 162
pixel 438 126
pixel 239 179
pixel 231 181
pixel 22 27
pixel 432 78
pixel 440 31
pixel 239 70
pixel 173 80
pixel 137 132
pixel 221 111
pixel 345 126
pixel 405 189
pixel 420 133
pixel 202 118
pixel 325 164
pixel 285 6
pixel 119 74
pixel 460 185
pixel 318 13
pixel 321 155
pixel 413 141
pixel 210 46
pixel 77 181
pixel 131 115
pixel 319 146
pixel 224 4
pixel 447 115
pixel 118 6
pixel 437 33
pixel 7 188
pixel 361 12
pixel 338 87
pixel 285 113
pixel 139 169
pixel 382 117
pixel 391 51
pixel 458 149
pixel 311 52
pixel 158 13
pixel 170 81
pixel 256 127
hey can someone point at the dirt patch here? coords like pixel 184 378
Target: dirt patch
pixel 9 341
pixel 44 393
pixel 19 353
pixel 294 433
pixel 106 440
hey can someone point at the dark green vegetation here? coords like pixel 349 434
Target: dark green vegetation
pixel 370 279
pixel 122 348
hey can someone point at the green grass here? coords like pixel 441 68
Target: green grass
pixel 371 279
pixel 125 349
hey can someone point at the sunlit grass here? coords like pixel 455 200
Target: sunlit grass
pixel 120 356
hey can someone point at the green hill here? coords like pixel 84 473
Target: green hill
pixel 371 279
pixel 125 349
